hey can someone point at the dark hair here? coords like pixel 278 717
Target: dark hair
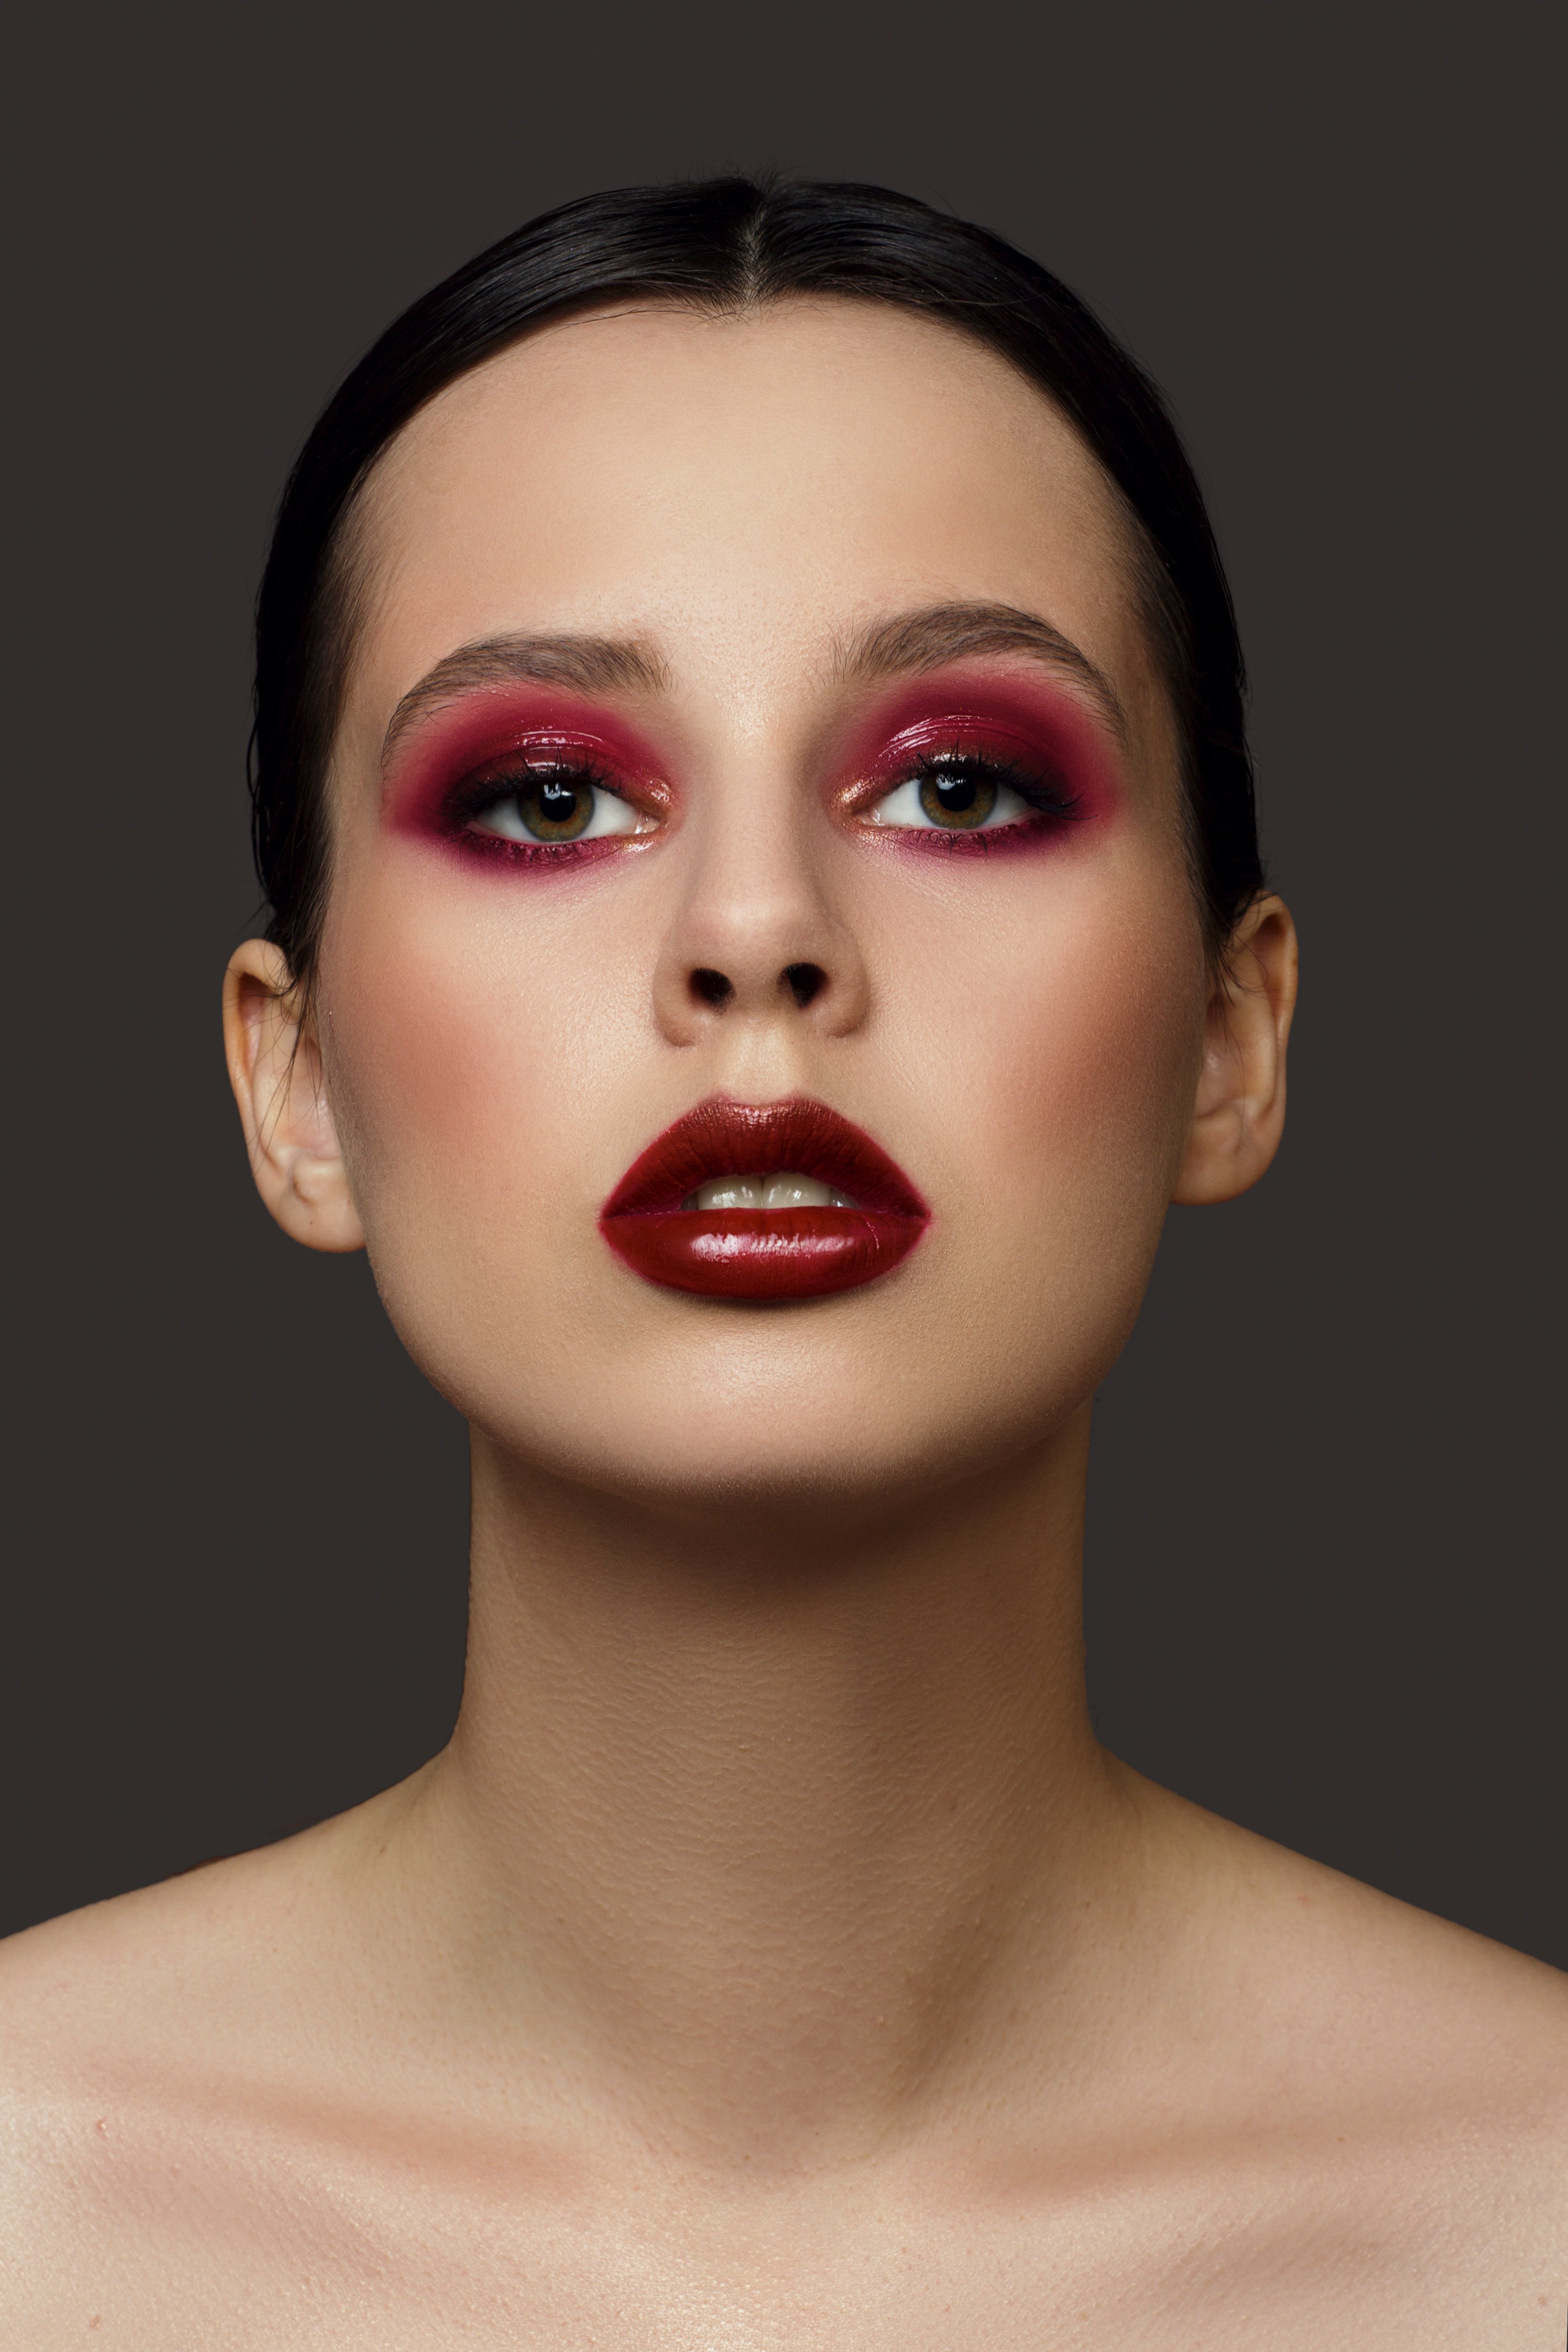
pixel 721 246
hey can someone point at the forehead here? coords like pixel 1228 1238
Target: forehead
pixel 740 492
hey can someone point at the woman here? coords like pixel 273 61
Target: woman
pixel 751 784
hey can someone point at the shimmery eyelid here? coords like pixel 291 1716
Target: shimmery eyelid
pixel 1019 721
pixel 431 770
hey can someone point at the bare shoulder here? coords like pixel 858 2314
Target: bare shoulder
pixel 1360 1972
pixel 1389 2087
pixel 184 2081
pixel 134 1977
pixel 119 2021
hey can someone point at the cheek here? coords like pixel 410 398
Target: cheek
pixel 1068 1058
pixel 1112 1025
pixel 1070 1121
pixel 452 1064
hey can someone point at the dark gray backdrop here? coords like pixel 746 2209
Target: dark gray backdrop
pixel 1326 1588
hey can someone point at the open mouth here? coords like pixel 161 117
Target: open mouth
pixel 783 1200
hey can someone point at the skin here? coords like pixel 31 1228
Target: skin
pixel 773 1957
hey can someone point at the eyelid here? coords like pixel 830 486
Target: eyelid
pixel 441 769
pixel 1037 727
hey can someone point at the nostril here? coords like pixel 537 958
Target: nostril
pixel 803 981
pixel 712 987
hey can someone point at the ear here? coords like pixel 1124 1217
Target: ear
pixel 1239 1113
pixel 275 1069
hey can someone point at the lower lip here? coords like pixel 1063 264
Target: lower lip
pixel 763 1254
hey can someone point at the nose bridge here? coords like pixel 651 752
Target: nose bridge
pixel 756 932
pixel 755 901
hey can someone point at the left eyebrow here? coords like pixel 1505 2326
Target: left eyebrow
pixel 591 665
pixel 939 633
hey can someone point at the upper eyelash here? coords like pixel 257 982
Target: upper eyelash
pixel 1049 799
pixel 471 798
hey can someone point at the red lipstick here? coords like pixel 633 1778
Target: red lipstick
pixel 763 1253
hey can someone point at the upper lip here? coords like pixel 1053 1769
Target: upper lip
pixel 723 1137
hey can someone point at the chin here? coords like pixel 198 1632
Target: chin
pixel 849 1408
pixel 736 1465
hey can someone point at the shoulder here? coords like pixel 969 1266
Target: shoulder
pixel 131 1987
pixel 213 1973
pixel 1403 2081
pixel 183 2093
pixel 1364 1977
pixel 1362 1996
pixel 134 1973
pixel 131 2028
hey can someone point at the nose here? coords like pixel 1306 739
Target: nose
pixel 756 937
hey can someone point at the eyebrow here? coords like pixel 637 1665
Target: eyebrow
pixel 902 646
pixel 592 665
pixel 929 639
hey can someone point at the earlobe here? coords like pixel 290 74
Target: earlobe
pixel 275 1069
pixel 1239 1112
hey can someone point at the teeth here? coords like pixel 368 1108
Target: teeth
pixel 787 1192
pixel 784 1190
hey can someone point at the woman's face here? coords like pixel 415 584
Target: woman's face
pixel 756 710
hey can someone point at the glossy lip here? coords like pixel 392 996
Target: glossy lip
pixel 763 1254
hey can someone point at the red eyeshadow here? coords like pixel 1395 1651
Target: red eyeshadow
pixel 1043 731
pixel 485 728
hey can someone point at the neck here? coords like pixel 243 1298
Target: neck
pixel 772 1815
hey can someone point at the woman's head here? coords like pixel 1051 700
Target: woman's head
pixel 753 699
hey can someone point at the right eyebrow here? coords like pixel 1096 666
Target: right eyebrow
pixel 909 643
pixel 591 665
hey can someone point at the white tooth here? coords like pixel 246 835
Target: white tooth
pixel 787 1191
pixel 730 1193
pixel 783 1190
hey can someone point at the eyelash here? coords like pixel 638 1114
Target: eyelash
pixel 1051 803
pixel 477 796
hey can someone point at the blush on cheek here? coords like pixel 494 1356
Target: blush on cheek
pixel 434 1068
pixel 1095 1092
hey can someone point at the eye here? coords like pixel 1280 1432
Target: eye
pixel 555 804
pixel 954 794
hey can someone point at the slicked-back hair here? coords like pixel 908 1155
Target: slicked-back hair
pixel 721 247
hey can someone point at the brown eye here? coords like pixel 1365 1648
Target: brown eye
pixel 957 799
pixel 556 807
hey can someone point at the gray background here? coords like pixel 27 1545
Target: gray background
pixel 1326 1586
